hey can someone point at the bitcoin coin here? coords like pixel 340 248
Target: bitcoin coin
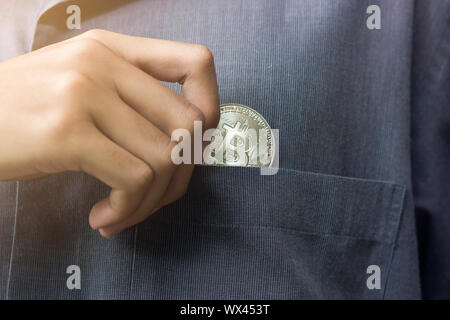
pixel 245 140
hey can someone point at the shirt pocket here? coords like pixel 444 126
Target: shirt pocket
pixel 295 235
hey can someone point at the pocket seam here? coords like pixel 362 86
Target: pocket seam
pixel 277 228
pixel 399 211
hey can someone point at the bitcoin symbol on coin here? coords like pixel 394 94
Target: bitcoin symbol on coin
pixel 243 129
pixel 235 142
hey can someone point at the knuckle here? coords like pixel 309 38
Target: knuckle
pixel 142 177
pixel 65 125
pixel 203 56
pixel 72 82
pixel 190 115
pixel 64 133
pixel 94 33
pixel 84 49
pixel 68 120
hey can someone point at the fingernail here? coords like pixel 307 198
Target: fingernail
pixel 104 234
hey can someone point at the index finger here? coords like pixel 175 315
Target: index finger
pixel 191 65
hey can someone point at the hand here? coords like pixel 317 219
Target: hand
pixel 94 103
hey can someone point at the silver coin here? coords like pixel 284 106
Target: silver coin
pixel 246 139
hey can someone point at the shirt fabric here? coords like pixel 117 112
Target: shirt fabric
pixel 364 137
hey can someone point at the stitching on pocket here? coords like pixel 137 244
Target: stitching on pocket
pixel 395 208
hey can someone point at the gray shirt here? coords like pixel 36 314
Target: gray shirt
pixel 339 93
